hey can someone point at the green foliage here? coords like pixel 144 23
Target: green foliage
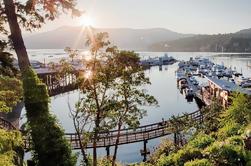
pixel 33 14
pixel 206 43
pixel 222 153
pixel 217 144
pixel 10 144
pixel 239 111
pixel 201 141
pixel 6 61
pixel 211 117
pixel 49 145
pixel 199 162
pixel 165 148
pixel 228 130
pixel 165 161
pixel 235 140
pixel 186 154
pixel 10 93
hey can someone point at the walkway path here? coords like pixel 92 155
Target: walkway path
pixel 127 136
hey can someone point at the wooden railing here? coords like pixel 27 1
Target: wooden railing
pixel 4 124
pixel 59 85
pixel 128 135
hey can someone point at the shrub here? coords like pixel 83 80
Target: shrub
pixel 201 141
pixel 49 145
pixel 165 161
pixel 165 148
pixel 228 130
pixel 11 145
pixel 199 162
pixel 235 140
pixel 186 154
pixel 221 153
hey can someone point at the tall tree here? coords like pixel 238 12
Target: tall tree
pixel 97 80
pixel 50 147
pixel 30 14
pixel 130 95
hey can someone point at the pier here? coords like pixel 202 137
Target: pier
pixel 127 136
pixel 59 84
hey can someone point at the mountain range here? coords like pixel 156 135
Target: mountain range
pixel 155 39
pixel 125 38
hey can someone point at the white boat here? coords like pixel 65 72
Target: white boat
pixel 189 92
pixel 246 84
pixel 241 80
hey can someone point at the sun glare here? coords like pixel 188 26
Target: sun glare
pixel 87 21
pixel 88 74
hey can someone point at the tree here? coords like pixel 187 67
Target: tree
pixel 6 61
pixel 239 111
pixel 48 142
pixel 31 15
pixel 211 117
pixel 129 93
pixel 71 52
pixel 10 144
pixel 81 121
pixel 10 94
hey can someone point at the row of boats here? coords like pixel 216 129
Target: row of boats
pixel 204 67
pixel 158 61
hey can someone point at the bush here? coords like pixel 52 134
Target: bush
pixel 165 161
pixel 186 154
pixel 235 140
pixel 11 145
pixel 221 153
pixel 49 144
pixel 165 148
pixel 199 162
pixel 228 130
pixel 201 141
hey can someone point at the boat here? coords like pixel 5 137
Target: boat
pixel 157 61
pixel 183 83
pixel 246 84
pixel 241 80
pixel 189 92
pixel 166 60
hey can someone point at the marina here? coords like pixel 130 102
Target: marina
pixel 192 88
pixel 219 81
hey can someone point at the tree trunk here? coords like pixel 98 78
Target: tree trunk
pixel 95 147
pixel 116 145
pixel 80 141
pixel 16 35
pixel 96 131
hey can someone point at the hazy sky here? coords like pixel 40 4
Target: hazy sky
pixel 184 16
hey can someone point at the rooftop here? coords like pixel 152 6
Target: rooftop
pixel 228 86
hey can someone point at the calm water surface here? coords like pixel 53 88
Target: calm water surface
pixel 163 87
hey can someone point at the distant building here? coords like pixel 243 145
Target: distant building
pixel 222 89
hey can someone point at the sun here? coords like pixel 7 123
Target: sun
pixel 87 21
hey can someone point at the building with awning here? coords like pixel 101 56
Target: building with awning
pixel 222 89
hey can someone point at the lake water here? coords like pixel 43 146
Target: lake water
pixel 163 87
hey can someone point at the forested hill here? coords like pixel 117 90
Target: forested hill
pixel 235 42
pixel 124 38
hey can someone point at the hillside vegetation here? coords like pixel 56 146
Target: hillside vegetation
pixel 222 140
pixel 237 42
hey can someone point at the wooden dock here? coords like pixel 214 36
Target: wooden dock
pixel 127 136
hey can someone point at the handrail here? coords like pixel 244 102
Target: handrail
pixel 5 124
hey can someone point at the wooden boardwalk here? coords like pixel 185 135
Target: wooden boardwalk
pixel 107 139
pixel 59 84
pixel 129 135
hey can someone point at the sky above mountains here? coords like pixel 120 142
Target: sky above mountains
pixel 184 16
